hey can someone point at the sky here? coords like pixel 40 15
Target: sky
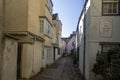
pixel 69 12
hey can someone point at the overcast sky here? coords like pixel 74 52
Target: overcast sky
pixel 69 12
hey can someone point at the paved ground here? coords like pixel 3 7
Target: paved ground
pixel 62 69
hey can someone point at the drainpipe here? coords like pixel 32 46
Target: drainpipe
pixel 84 48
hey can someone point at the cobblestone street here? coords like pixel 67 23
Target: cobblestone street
pixel 63 69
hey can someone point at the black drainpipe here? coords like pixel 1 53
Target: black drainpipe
pixel 84 48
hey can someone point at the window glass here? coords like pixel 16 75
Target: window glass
pixel 110 6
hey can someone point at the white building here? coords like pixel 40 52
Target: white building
pixel 100 21
pixel 71 43
pixel 63 47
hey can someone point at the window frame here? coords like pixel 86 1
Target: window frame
pixel 105 47
pixel 42 25
pixel 49 5
pixel 111 14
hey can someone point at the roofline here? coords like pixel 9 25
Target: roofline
pixel 51 2
pixel 81 13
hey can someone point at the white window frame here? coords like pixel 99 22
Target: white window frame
pixel 49 6
pixel 108 7
pixel 41 25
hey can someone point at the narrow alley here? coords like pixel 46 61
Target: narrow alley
pixel 63 69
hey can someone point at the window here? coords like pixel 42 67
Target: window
pixel 41 25
pixel 106 47
pixel 48 30
pixel 45 27
pixel 110 7
pixel 49 5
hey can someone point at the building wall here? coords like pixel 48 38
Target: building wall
pixel 81 56
pixel 9 60
pixel 24 16
pixel 31 59
pixel 113 36
pixel 54 33
pixel 63 47
pixel 47 12
pixel 48 37
pixel 70 44
pixel 96 35
pixel 16 15
pixel 47 59
pixel 94 25
pixel 1 24
pixel 26 60
pixel 57 53
pixel 1 36
pixel 36 8
pixel 37 55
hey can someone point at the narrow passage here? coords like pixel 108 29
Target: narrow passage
pixel 63 69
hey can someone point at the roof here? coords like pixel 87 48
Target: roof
pixel 66 39
pixel 54 17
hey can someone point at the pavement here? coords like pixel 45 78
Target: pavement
pixel 63 69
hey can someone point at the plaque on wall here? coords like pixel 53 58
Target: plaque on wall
pixel 105 27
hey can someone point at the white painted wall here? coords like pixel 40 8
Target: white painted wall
pixel 70 44
pixel 63 46
pixel 94 19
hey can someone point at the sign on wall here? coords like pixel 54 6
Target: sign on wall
pixel 106 27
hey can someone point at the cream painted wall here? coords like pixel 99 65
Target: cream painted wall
pixel 1 24
pixel 27 60
pixel 54 38
pixel 1 7
pixel 31 59
pixel 37 57
pixel 36 8
pixel 16 15
pixel 1 27
pixel 48 41
pixel 9 69
pixel 47 13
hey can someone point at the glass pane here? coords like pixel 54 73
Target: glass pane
pixel 110 8
pixel 104 8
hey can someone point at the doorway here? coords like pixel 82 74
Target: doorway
pixel 54 54
pixel 19 61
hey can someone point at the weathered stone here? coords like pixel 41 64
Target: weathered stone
pixel 65 70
